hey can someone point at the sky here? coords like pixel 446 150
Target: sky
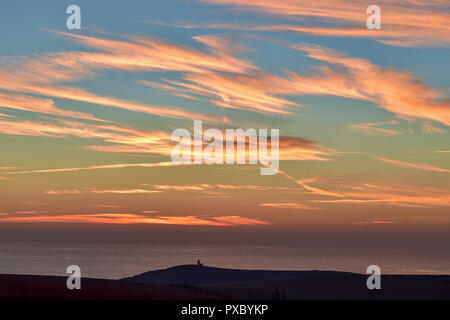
pixel 86 118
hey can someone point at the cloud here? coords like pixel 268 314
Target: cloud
pixel 35 104
pixel 215 73
pixel 151 54
pixel 370 193
pixel 408 165
pixel 376 221
pixel 126 191
pixel 237 220
pixel 411 23
pixel 430 129
pixel 126 218
pixel 158 188
pixel 204 187
pixel 2 115
pixel 43 74
pixel 290 148
pixel 288 205
pixel 136 140
pixel 306 184
pixel 398 92
pixel 371 128
pixel 100 167
pixel 77 94
pixel 237 91
pixel 63 192
pixel 130 139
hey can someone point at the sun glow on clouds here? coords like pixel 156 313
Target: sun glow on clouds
pixel 372 128
pixel 41 75
pixel 349 77
pixel 214 70
pixel 124 218
pixel 288 205
pixel 362 223
pixel 408 165
pixel 404 23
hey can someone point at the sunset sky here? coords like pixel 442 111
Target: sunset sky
pixel 86 118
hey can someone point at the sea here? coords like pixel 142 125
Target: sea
pixel 116 261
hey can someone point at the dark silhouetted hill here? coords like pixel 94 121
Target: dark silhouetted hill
pixel 262 284
pixel 197 282
pixel 30 287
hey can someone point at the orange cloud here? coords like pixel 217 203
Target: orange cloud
pixel 42 74
pixel 132 140
pixel 430 129
pixel 139 53
pixel 126 191
pixel 369 193
pixel 399 196
pixel 63 192
pixel 415 23
pixel 34 104
pixel 205 188
pixel 408 165
pixel 77 94
pixel 355 78
pixel 125 218
pixel 290 148
pixel 2 115
pixel 288 205
pixel 99 167
pixel 397 92
pixel 306 184
pixel 237 220
pixel 371 128
pixel 246 92
pixel 378 221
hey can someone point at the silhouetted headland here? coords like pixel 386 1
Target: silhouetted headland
pixel 197 281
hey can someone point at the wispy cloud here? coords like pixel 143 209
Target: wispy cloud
pixel 244 91
pixel 398 92
pixel 288 205
pixel 158 188
pixel 100 167
pixel 410 23
pixel 430 129
pixel 126 191
pixel 420 197
pixel 375 221
pixel 372 128
pixel 43 74
pixel 41 105
pixel 306 183
pixel 137 140
pixel 127 218
pixel 409 165
pixel 370 193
